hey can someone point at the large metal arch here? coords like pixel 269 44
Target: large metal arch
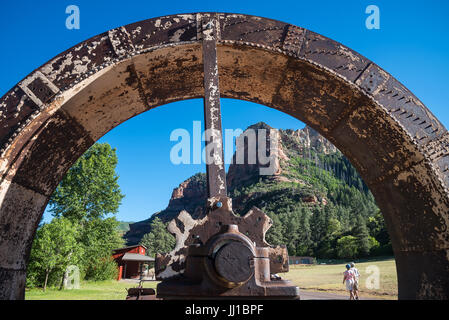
pixel 400 149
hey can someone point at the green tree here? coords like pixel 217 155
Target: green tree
pixel 318 228
pixel 90 188
pixel 378 229
pixel 54 248
pixel 374 245
pixel 364 243
pixel 274 235
pixel 347 247
pixel 304 247
pixel 291 230
pixel 98 238
pixel 158 240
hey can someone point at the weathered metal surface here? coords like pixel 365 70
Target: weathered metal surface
pixel 141 293
pixel 49 158
pixel 39 89
pixel 228 265
pixel 233 263
pixel 19 217
pixel 397 145
pixel 278 259
pixel 216 174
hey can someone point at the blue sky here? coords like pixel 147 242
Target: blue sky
pixel 412 44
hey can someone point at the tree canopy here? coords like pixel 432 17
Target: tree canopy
pixel 90 188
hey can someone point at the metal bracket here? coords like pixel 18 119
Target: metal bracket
pixel 294 40
pixel 39 88
pixel 208 27
pixel 372 79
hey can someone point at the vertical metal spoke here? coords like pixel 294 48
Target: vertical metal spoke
pixel 216 175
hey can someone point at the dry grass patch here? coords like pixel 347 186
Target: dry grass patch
pixel 329 278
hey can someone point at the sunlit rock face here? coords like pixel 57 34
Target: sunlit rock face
pixel 289 142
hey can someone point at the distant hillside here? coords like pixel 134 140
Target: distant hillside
pixel 123 226
pixel 314 185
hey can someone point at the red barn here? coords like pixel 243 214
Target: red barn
pixel 130 261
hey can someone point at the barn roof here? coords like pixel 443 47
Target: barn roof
pixel 130 247
pixel 136 257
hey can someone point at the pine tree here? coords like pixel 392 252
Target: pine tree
pixel 275 235
pixel 158 240
pixel 361 233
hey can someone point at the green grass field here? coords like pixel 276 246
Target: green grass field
pixel 326 278
pixel 102 290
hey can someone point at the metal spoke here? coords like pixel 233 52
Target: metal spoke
pixel 216 175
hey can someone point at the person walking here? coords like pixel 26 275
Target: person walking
pixel 356 281
pixel 348 279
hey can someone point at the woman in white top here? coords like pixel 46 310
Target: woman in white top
pixel 356 280
pixel 348 278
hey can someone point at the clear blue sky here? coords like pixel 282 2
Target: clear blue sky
pixel 412 44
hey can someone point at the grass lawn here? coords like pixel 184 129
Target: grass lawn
pixel 102 290
pixel 329 278
pixel 326 278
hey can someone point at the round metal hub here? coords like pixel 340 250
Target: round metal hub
pixel 233 262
